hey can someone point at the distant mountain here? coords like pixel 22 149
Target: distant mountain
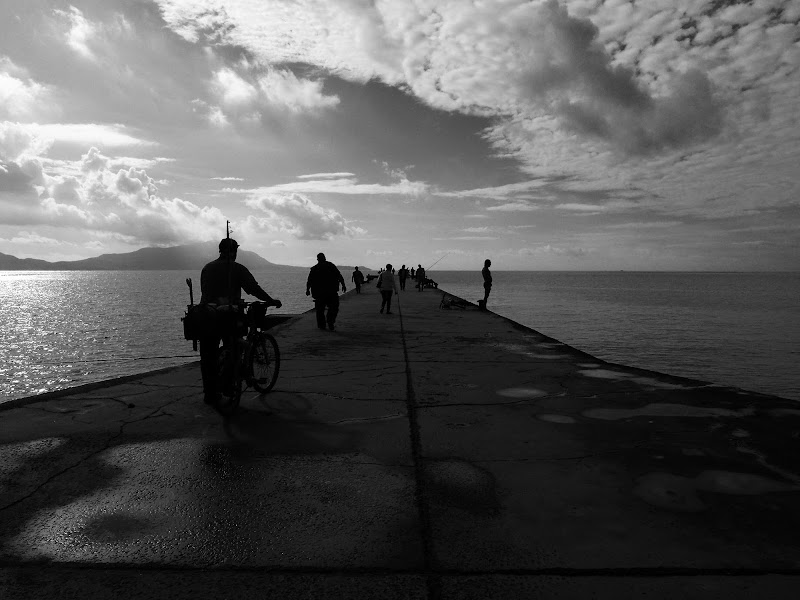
pixel 190 257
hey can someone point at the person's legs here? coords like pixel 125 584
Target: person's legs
pixel 384 296
pixel 333 309
pixel 209 351
pixel 389 302
pixel 319 303
pixel 486 289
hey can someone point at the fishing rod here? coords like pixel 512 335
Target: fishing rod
pixel 434 264
pixel 230 268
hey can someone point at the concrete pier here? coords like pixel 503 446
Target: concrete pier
pixel 429 453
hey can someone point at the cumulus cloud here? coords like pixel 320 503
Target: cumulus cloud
pixel 93 197
pixel 244 93
pixel 22 98
pixel 283 88
pixel 31 237
pixel 299 216
pixel 87 38
pixel 79 31
pixel 210 113
pixel 515 60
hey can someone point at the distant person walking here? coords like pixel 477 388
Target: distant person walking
pixel 420 278
pixel 358 280
pixel 387 286
pixel 402 274
pixel 487 281
pixel 323 285
pixel 221 284
pixel 413 274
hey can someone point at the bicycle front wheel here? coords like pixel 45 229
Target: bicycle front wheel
pixel 265 362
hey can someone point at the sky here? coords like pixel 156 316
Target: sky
pixel 543 135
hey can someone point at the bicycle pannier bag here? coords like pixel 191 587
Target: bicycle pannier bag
pixel 201 320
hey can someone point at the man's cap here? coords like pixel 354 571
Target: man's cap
pixel 320 256
pixel 228 245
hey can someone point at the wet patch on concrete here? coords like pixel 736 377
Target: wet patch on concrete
pixel 526 351
pixel 605 374
pixel 115 527
pixel 728 482
pixel 679 494
pixel 620 375
pixel 521 392
pixel 664 410
pixel 783 412
pixel 668 491
pixel 460 484
pixel 550 418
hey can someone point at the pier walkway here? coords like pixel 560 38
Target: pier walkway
pixel 429 453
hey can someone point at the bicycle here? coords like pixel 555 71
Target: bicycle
pixel 249 357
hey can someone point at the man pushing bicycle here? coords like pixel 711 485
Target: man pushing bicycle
pixel 221 284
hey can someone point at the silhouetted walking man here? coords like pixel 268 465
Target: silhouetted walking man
pixel 323 284
pixel 221 284
pixel 358 279
pixel 387 286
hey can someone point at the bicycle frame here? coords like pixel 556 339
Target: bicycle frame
pixel 238 356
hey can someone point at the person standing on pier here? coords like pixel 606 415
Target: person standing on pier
pixel 420 278
pixel 358 279
pixel 402 274
pixel 323 285
pixel 221 283
pixel 387 286
pixel 487 282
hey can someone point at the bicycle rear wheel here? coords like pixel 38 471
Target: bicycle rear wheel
pixel 265 362
pixel 229 382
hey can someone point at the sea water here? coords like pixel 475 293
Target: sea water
pixel 738 329
pixel 66 328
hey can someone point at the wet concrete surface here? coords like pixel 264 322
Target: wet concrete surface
pixel 426 454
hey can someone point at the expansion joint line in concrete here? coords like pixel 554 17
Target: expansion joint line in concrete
pixel 566 572
pixel 433 581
